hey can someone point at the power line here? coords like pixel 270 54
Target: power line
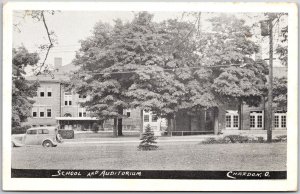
pixel 137 71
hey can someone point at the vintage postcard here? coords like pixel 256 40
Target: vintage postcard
pixel 140 96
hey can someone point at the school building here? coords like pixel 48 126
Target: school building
pixel 55 105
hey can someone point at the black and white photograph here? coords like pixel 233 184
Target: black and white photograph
pixel 146 96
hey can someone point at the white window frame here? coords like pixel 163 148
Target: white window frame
pixel 68 98
pixel 82 110
pixel 232 115
pixel 256 114
pixel 280 115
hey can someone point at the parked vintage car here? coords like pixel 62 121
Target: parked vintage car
pixel 45 136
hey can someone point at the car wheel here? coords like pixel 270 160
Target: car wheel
pixel 47 143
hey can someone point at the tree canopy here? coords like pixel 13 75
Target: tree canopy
pixel 167 66
pixel 22 90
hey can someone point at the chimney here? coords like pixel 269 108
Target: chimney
pixel 57 62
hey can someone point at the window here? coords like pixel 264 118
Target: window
pixel 228 121
pixel 235 121
pixel 82 112
pixel 41 92
pixel 68 99
pixel 40 131
pixel 41 125
pixel 49 92
pixel 42 111
pixel 49 112
pixel 33 125
pixel 45 131
pixel 82 96
pixel 32 132
pixel 276 120
pixel 256 120
pixel 146 118
pixel 259 121
pixel 127 112
pixel 252 121
pixel 34 112
pixel 283 121
pixel 154 118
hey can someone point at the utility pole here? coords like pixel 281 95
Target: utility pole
pixel 270 89
pixel 267 30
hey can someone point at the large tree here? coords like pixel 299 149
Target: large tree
pixel 167 66
pixel 22 90
pixel 228 50
pixel 134 65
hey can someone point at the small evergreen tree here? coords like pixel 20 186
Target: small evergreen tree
pixel 148 139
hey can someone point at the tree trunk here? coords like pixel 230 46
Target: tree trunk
pixel 190 122
pixel 142 123
pixel 120 120
pixel 115 128
pixel 240 110
pixel 216 121
pixel 202 120
pixel 170 125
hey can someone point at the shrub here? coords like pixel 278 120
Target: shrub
pixel 148 139
pixel 280 138
pixel 66 134
pixel 233 139
pixel 20 129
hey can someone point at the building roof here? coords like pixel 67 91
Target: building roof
pixel 58 75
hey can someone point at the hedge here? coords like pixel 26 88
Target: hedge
pixel 20 129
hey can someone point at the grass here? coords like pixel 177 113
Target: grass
pixel 169 156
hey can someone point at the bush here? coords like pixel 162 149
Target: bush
pixel 66 134
pixel 20 129
pixel 233 139
pixel 280 138
pixel 148 139
pixel 237 138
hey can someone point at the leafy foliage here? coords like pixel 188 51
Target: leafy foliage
pixel 148 140
pixel 22 90
pixel 167 66
pixel 229 45
pixel 280 92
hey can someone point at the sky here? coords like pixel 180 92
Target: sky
pixel 72 26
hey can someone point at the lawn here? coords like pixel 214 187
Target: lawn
pixel 170 156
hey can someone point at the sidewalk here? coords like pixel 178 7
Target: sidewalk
pixel 167 139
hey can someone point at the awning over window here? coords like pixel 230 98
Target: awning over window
pixel 76 118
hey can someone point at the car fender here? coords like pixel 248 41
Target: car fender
pixel 17 143
pixel 53 142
